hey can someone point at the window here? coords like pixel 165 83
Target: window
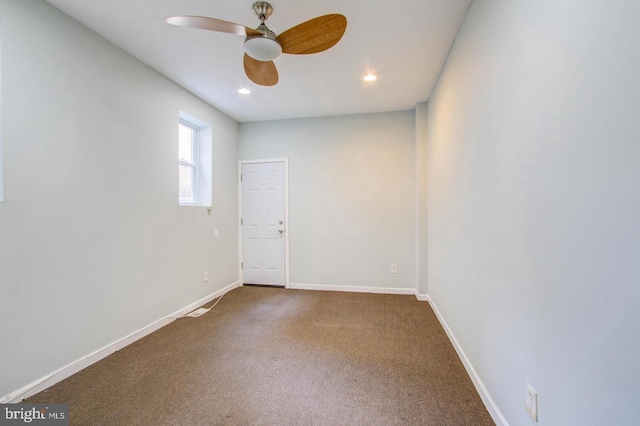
pixel 194 161
pixel 188 141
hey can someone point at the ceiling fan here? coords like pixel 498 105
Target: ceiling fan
pixel 262 45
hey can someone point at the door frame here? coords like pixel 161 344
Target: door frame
pixel 285 161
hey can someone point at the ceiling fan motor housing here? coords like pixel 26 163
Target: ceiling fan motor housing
pixel 263 47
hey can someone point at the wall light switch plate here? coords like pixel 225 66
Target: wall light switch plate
pixel 532 402
pixel 394 269
pixel 205 276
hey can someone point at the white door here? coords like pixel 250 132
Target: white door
pixel 263 227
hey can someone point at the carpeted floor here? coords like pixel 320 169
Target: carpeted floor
pixel 267 356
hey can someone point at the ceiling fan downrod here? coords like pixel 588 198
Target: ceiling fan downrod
pixel 263 10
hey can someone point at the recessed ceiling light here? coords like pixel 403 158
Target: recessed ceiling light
pixel 244 91
pixel 370 77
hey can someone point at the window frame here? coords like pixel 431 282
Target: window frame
pixel 195 146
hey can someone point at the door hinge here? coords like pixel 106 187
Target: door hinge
pixel 241 265
pixel 241 221
pixel 240 177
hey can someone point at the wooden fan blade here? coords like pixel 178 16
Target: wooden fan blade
pixel 211 24
pixel 313 36
pixel 262 73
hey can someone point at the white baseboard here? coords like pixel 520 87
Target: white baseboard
pixel 489 403
pixel 422 297
pixel 74 367
pixel 352 289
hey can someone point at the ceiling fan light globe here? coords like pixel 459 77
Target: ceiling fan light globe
pixel 262 48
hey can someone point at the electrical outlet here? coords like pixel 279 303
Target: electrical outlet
pixel 205 276
pixel 532 402
pixel 394 268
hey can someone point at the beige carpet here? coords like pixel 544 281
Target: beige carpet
pixel 267 356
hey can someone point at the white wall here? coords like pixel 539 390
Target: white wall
pixel 1 127
pixel 93 245
pixel 352 195
pixel 533 205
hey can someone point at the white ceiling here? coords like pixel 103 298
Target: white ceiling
pixel 405 42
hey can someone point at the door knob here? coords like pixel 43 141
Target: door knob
pixel 281 231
